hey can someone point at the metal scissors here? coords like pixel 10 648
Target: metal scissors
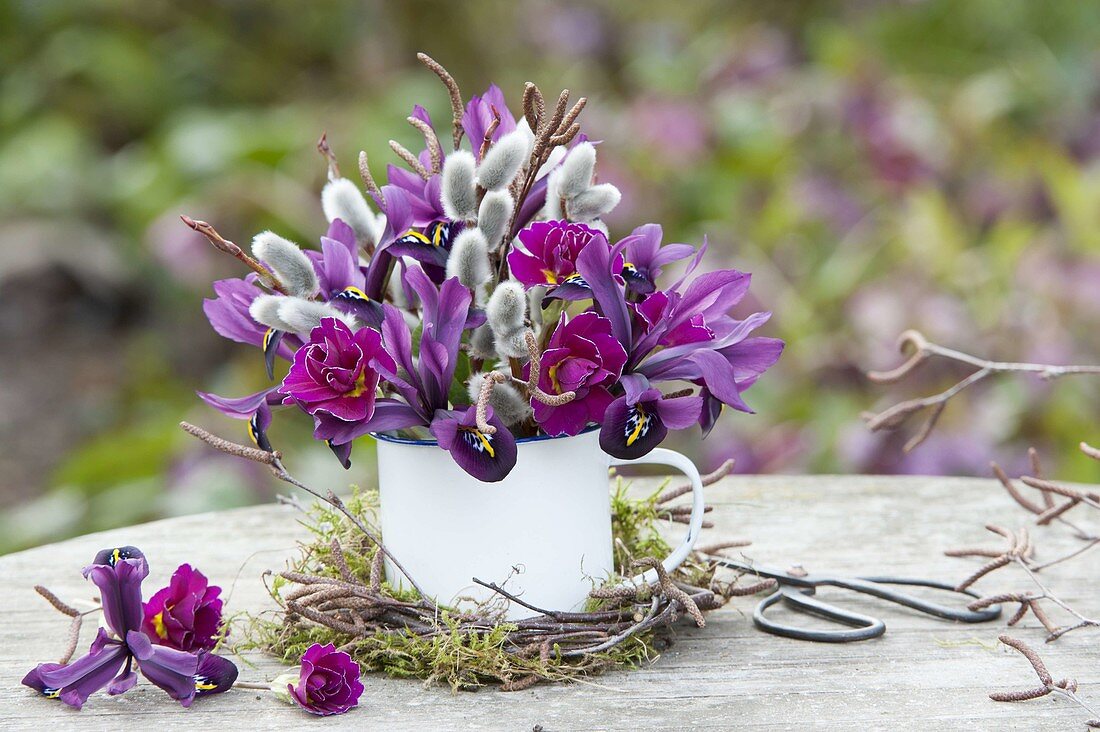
pixel 796 590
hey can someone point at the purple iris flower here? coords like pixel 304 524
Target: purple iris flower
pixel 228 313
pixel 109 663
pixel 424 381
pixel 684 336
pixel 583 357
pixel 328 682
pixel 339 273
pixel 645 257
pixel 636 423
pixel 479 115
pixel 185 615
pixel 334 378
pixel 423 195
pixel 549 257
pixel 487 457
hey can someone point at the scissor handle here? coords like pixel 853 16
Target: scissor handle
pixel 865 627
pixel 873 586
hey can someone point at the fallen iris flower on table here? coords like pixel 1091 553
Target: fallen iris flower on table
pixel 328 682
pixel 110 662
pixel 185 615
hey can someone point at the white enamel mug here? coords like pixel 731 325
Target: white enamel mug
pixel 545 529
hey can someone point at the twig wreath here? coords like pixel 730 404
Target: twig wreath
pixel 336 592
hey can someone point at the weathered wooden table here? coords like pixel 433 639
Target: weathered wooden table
pixel 923 674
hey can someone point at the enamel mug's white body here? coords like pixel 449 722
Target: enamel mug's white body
pixel 544 531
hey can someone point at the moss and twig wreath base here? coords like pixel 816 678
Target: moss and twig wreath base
pixel 336 592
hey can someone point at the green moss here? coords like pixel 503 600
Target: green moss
pixel 457 657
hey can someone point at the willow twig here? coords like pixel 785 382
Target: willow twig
pixel 273 460
pixel 224 245
pixel 920 350
pixel 330 158
pixel 1066 688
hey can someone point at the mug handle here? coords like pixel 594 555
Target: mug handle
pixel 671 458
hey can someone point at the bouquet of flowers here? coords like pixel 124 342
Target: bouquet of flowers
pixel 478 297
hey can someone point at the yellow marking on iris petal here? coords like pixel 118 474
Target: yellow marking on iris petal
pixel 485 443
pixel 115 556
pixel 642 419
pixel 418 236
pixel 551 278
pixel 268 336
pixel 360 385
pixel 52 694
pixel 158 625
pixel 553 374
pixel 252 432
pixel 204 686
pixel 353 293
pixel 437 233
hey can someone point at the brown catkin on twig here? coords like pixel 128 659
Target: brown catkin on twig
pixel 452 91
pixel 1030 655
pixel 58 604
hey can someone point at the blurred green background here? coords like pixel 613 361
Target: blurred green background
pixel 876 165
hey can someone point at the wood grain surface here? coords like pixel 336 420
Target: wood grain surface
pixel 924 674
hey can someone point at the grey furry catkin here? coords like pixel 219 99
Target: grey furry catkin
pixel 493 216
pixel 534 305
pixel 287 261
pixel 512 344
pixel 593 203
pixel 599 226
pixel 503 161
pixel 302 316
pixel 342 199
pixel 265 311
pixel 577 170
pixel 507 308
pixel 458 195
pixel 552 209
pixel 507 403
pixel 469 259
pixel 482 343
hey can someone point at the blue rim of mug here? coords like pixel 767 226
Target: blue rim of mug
pixel 520 441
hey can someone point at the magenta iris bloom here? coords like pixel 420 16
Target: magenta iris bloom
pixel 585 358
pixel 329 681
pixel 186 614
pixel 335 375
pixel 110 661
pixel 550 251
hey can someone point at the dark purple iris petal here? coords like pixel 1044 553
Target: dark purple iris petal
pixel 632 428
pixel 214 674
pixel 119 582
pixel 487 457
pixel 172 670
pixel 75 682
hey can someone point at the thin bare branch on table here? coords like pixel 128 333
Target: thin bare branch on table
pixel 1065 688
